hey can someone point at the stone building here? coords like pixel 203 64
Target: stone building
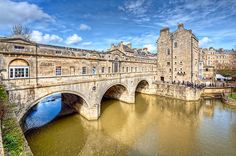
pixel 48 61
pixel 220 59
pixel 178 55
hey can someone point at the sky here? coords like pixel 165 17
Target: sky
pixel 96 24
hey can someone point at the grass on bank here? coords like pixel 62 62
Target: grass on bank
pixel 13 141
pixel 233 95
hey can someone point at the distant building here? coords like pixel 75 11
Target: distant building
pixel 220 59
pixel 178 55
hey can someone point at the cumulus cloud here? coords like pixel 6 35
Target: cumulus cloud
pixel 74 39
pixel 39 37
pixel 20 12
pixel 84 27
pixel 204 41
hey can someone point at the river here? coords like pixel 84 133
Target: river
pixel 152 126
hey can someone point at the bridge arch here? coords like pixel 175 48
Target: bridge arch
pixel 115 91
pixel 30 105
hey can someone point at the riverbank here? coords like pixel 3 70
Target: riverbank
pixel 229 99
pixel 13 139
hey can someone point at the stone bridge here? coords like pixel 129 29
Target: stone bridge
pixel 90 89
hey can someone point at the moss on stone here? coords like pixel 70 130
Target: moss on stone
pixel 13 138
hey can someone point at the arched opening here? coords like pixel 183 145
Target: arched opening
pixel 50 108
pixel 117 92
pixel 142 87
pixel 18 68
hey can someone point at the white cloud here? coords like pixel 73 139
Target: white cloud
pixel 74 39
pixel 136 7
pixel 150 47
pixel 84 27
pixel 20 12
pixel 39 37
pixel 204 42
pixel 86 43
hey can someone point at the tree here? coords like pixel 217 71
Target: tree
pixel 21 31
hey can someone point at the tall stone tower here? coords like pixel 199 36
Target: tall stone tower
pixel 178 55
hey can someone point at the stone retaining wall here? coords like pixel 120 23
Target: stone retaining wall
pixel 178 92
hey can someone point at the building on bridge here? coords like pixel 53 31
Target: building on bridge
pixel 178 55
pixel 32 71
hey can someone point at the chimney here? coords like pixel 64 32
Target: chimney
pixel 180 26
pixel 164 31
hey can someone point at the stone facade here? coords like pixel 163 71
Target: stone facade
pixel 220 59
pixel 178 55
pixel 178 92
pixel 32 71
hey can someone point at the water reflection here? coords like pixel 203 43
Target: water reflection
pixel 43 112
pixel 152 126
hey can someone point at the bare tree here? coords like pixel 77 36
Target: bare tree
pixel 21 31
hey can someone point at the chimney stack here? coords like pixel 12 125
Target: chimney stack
pixel 180 26
pixel 164 31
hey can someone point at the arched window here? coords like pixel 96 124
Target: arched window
pixel 18 69
pixel 116 65
pixel 94 70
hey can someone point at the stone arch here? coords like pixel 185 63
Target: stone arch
pixel 142 86
pixel 30 105
pixel 123 90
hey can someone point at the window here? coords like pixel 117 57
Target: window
pixel 19 48
pixel 175 62
pixel 127 69
pixel 131 69
pixel 175 44
pixel 206 69
pixel 123 69
pixel 103 69
pixel 168 63
pixel 94 70
pixel 19 72
pixel 170 69
pixel 18 69
pixel 168 51
pixel 109 70
pixel 136 69
pixel 58 70
pixel 84 70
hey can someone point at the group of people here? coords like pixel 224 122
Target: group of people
pixel 190 84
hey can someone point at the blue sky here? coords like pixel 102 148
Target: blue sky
pixel 95 24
